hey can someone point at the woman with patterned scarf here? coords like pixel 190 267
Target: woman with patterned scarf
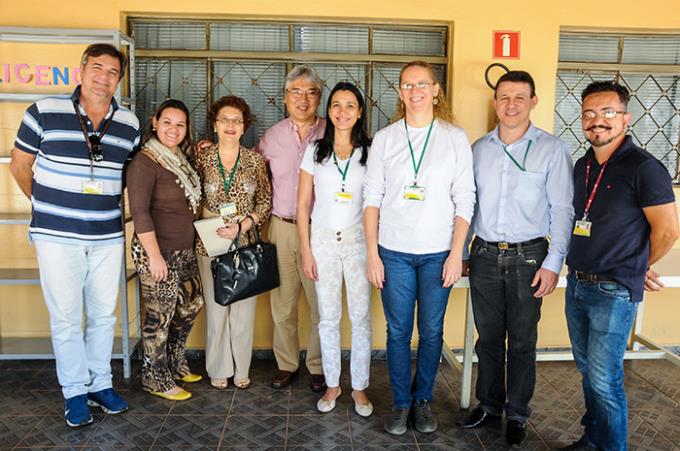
pixel 164 194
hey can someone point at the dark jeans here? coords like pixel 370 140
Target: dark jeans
pixel 503 305
pixel 410 278
pixel 599 317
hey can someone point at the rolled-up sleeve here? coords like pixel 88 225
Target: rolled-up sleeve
pixel 463 186
pixel 560 191
pixel 374 180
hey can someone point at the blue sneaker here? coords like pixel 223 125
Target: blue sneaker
pixel 76 412
pixel 108 400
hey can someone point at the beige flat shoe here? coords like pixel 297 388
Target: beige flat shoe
pixel 325 406
pixel 363 410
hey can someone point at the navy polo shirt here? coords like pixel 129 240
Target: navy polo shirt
pixel 62 213
pixel 618 245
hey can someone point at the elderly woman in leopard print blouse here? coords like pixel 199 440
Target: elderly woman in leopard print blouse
pixel 236 186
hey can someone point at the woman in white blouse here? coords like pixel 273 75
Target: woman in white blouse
pixel 419 197
pixel 331 178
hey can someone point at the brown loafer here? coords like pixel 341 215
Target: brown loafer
pixel 282 379
pixel 317 383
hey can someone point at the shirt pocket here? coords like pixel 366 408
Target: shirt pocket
pixel 530 193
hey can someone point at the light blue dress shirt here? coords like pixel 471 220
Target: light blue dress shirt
pixel 516 205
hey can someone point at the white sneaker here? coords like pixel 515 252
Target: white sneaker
pixel 325 406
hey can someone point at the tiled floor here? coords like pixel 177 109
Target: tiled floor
pixel 264 418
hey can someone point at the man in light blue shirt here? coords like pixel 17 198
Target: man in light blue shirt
pixel 522 223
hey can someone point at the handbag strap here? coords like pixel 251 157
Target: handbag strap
pixel 254 228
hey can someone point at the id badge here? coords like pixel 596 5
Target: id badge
pixel 342 197
pixel 414 192
pixel 582 228
pixel 93 187
pixel 228 209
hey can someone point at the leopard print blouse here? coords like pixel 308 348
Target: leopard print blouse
pixel 250 190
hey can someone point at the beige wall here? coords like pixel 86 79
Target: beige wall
pixel 21 310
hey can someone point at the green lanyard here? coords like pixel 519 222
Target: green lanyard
pixel 343 173
pixel 522 168
pixel 416 167
pixel 227 184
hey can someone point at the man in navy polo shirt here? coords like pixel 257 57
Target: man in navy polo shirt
pixel 626 220
pixel 79 144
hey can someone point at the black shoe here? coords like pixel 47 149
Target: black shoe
pixel 578 446
pixel 425 422
pixel 516 433
pixel 396 425
pixel 478 417
pixel 282 379
pixel 318 383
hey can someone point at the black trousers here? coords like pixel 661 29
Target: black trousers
pixel 504 306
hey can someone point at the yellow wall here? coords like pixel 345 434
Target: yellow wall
pixel 472 24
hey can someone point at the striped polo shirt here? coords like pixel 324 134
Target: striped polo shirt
pixel 51 131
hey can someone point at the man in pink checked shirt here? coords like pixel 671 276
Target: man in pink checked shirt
pixel 283 146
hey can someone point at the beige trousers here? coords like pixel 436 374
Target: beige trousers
pixel 284 302
pixel 229 337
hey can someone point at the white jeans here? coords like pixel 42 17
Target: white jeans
pixel 74 276
pixel 341 253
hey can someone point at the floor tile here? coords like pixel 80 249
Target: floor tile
pixel 319 430
pixel 191 430
pixel 260 401
pixel 14 428
pixel 126 430
pixel 215 402
pixel 255 431
pixel 52 431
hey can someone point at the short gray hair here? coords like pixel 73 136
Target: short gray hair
pixel 305 72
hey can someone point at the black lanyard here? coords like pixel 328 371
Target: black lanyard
pixel 94 156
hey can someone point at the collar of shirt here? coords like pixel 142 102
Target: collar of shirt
pixel 626 147
pixel 75 97
pixel 531 134
pixel 311 132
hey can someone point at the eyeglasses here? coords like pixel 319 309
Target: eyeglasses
pixel 97 148
pixel 589 115
pixel 419 85
pixel 297 93
pixel 229 121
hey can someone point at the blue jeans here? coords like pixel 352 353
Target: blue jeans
pixel 77 278
pixel 410 278
pixel 599 318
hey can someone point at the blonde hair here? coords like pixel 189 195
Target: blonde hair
pixel 441 108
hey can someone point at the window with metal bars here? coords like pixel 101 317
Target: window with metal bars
pixel 648 65
pixel 198 61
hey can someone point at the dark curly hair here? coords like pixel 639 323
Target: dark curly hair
pixel 234 102
pixel 607 86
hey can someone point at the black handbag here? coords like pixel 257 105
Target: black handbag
pixel 245 271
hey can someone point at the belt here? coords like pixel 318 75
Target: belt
pixel 504 245
pixel 288 220
pixel 592 277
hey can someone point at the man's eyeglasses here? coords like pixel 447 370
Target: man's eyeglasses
pixel 589 115
pixel 297 93
pixel 97 148
pixel 419 85
pixel 229 121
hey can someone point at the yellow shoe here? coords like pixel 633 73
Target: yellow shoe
pixel 181 395
pixel 190 378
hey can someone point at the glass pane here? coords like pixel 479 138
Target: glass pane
pixel 409 42
pixel 169 35
pixel 158 80
pixel 651 50
pixel 259 84
pixel 594 49
pixel 249 36
pixel 331 74
pixel 330 39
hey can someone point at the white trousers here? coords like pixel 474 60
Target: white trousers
pixel 229 334
pixel 341 253
pixel 74 277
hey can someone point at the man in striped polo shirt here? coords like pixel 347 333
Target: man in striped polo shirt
pixel 79 144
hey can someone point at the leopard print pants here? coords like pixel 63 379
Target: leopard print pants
pixel 170 309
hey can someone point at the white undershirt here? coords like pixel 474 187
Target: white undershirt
pixel 411 226
pixel 327 181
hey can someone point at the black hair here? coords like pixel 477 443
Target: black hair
pixel 186 146
pixel 517 76
pixel 359 137
pixel 607 86
pixel 95 50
